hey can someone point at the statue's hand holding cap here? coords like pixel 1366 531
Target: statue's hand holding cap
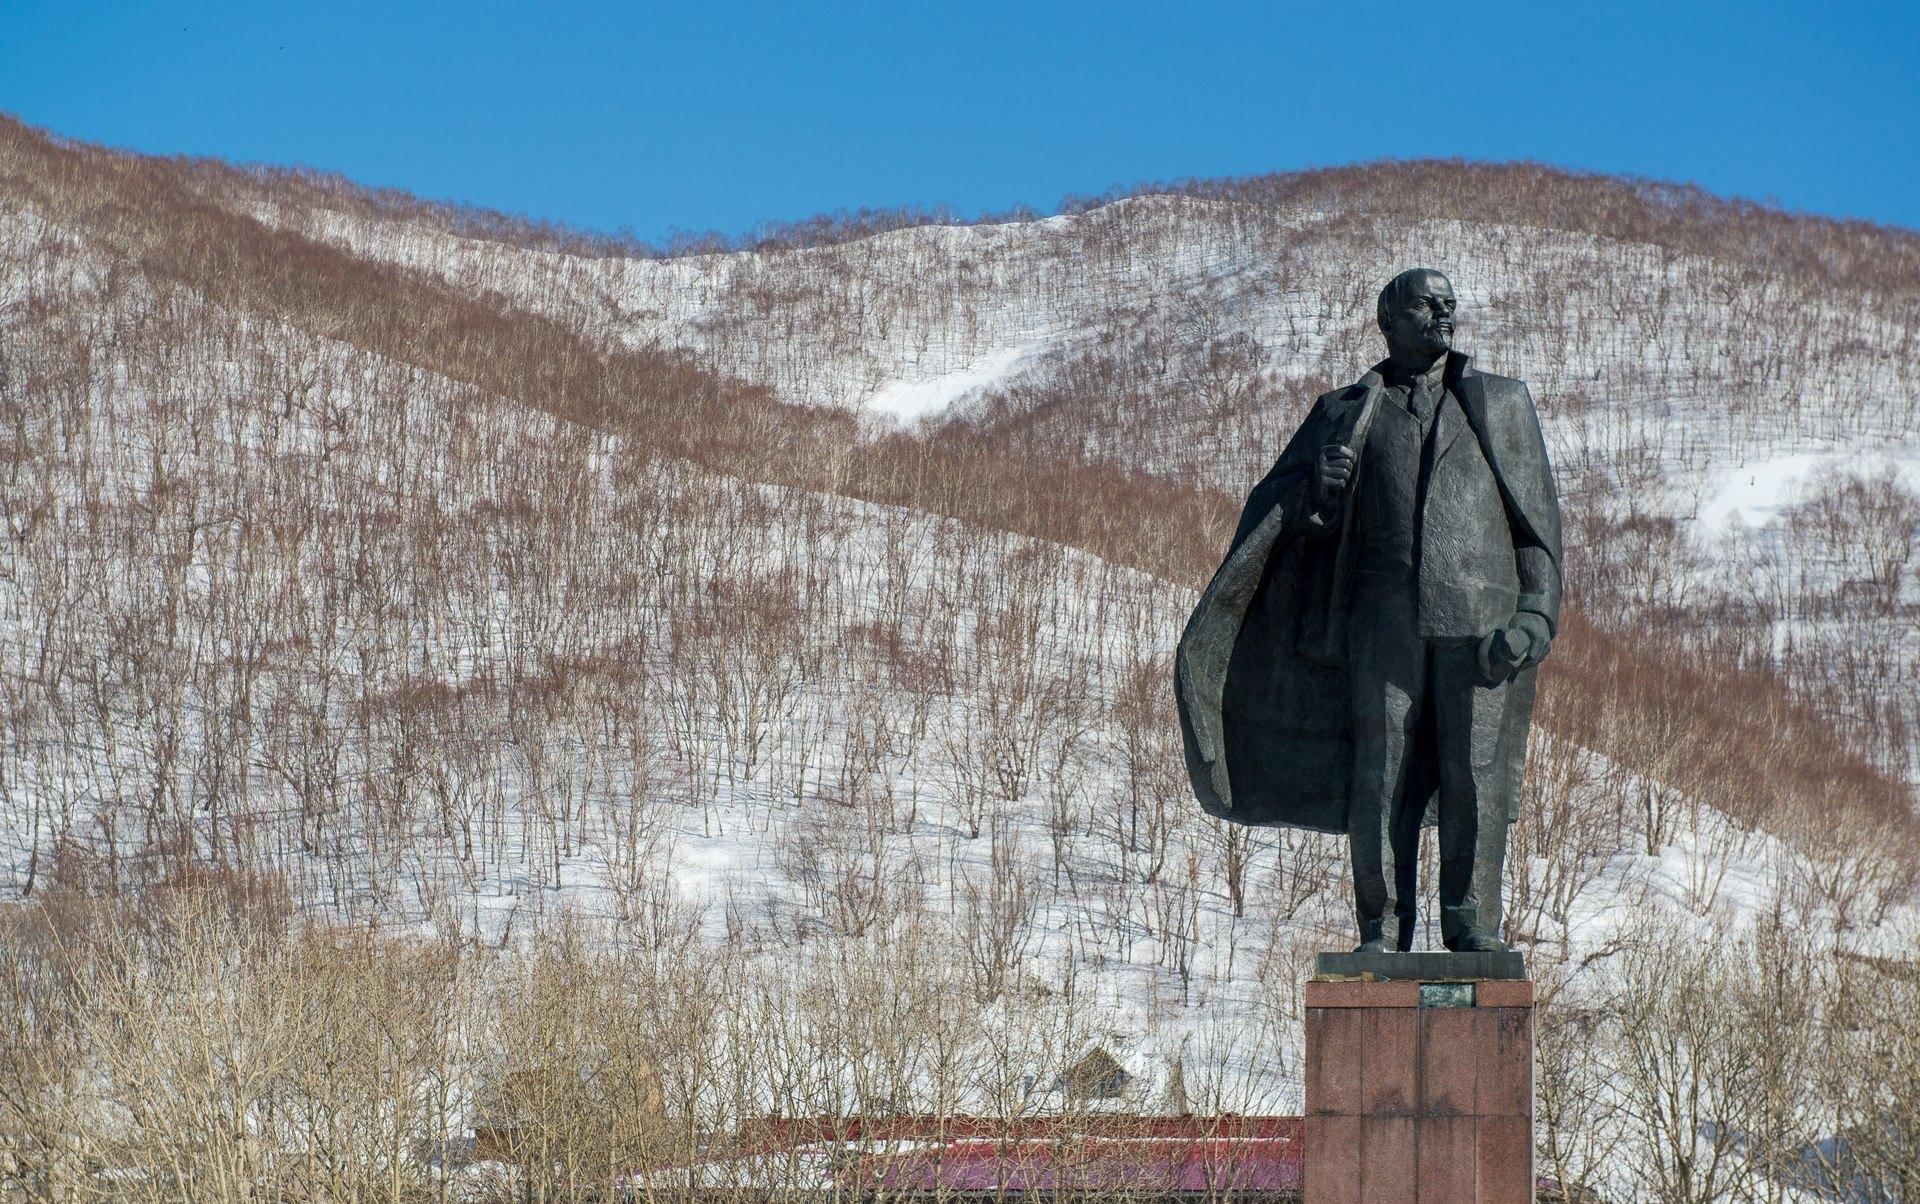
pixel 1331 473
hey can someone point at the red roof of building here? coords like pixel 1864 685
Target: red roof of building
pixel 1093 1153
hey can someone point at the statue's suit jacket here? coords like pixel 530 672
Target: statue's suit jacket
pixel 1260 673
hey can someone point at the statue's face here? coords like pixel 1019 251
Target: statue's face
pixel 1420 324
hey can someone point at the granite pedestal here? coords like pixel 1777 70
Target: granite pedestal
pixel 1419 1084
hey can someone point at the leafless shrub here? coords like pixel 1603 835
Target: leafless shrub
pixel 997 913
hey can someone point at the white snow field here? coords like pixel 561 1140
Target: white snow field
pixel 446 663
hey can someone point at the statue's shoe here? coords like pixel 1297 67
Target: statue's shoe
pixel 1473 940
pixel 1376 945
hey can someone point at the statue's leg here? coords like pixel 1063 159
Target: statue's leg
pixel 1410 808
pixel 1417 790
pixel 1468 720
pixel 1386 673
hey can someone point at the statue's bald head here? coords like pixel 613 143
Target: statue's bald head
pixel 1415 312
pixel 1405 287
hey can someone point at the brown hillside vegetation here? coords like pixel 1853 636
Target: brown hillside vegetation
pixel 1657 212
pixel 387 662
pixel 151 213
pixel 1671 337
pixel 154 214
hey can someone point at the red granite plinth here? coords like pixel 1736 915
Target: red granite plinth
pixel 1413 1104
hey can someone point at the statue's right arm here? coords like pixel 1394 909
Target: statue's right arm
pixel 1310 516
pixel 1289 484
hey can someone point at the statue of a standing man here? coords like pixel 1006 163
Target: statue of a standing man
pixel 1364 659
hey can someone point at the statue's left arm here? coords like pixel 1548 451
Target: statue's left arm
pixel 1537 552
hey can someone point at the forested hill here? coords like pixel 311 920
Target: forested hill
pixel 786 626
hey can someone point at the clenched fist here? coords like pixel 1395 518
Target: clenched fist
pixel 1331 473
pixel 1521 644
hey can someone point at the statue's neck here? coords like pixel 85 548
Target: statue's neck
pixel 1411 367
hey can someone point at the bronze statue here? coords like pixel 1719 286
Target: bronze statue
pixel 1364 658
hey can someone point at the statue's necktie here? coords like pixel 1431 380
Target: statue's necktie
pixel 1422 403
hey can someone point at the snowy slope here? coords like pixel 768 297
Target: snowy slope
pixel 446 663
pixel 1184 335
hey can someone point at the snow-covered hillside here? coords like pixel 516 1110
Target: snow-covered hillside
pixel 452 664
pixel 1700 407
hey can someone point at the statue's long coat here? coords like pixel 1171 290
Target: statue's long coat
pixel 1261 668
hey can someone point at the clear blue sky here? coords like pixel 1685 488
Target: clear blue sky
pixel 713 115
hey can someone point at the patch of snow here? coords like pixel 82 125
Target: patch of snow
pixel 1753 494
pixel 908 401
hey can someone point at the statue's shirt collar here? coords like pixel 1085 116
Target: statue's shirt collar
pixel 1397 377
pixel 1387 375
